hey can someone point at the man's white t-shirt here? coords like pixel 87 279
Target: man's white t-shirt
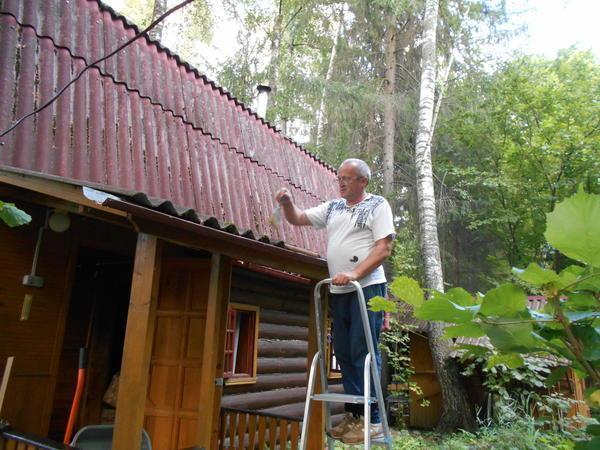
pixel 351 233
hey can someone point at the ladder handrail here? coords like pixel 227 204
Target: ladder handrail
pixel 370 366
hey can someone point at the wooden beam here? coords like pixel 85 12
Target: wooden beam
pixel 63 190
pixel 211 378
pixel 131 400
pixel 316 426
pixel 187 234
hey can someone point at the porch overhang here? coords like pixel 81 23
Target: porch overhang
pixel 69 195
pixel 202 237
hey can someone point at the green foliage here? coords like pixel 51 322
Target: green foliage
pixel 568 329
pixel 138 11
pixel 512 144
pixel 507 300
pixel 536 275
pixel 381 304
pixel 182 31
pixel 574 228
pixel 516 386
pixel 440 307
pixel 407 290
pixel 519 435
pixel 13 216
pixel 470 329
pixel 395 342
pixel 509 381
pixel 406 255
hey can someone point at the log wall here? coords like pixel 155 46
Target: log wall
pixel 280 387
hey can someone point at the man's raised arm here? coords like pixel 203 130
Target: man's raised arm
pixel 292 213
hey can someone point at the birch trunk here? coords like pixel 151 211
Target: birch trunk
pixel 273 70
pixel 389 113
pixel 160 7
pixel 321 111
pixel 456 411
pixel 438 104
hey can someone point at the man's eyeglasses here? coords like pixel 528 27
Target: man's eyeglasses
pixel 347 179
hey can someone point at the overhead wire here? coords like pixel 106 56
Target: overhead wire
pixel 92 64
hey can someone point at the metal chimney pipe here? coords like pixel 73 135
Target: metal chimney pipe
pixel 262 100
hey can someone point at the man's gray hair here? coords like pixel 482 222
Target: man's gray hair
pixel 363 167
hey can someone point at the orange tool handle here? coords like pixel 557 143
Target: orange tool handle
pixel 77 397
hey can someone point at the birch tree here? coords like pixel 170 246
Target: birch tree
pixel 456 411
pixel 389 115
pixel 328 75
pixel 160 7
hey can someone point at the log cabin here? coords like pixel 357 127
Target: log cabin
pixel 150 190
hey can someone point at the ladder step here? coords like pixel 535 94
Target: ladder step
pixel 381 440
pixel 341 398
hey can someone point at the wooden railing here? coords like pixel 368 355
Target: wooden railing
pixel 244 429
pixel 11 439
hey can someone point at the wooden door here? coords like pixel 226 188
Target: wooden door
pixel 426 377
pixel 173 389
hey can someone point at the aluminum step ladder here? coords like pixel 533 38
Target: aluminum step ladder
pixel 371 373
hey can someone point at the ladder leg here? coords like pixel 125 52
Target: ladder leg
pixel 330 443
pixel 367 391
pixel 309 392
pixel 380 403
pixel 374 372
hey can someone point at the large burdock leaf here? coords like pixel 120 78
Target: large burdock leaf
pixel 407 290
pixel 573 227
pixel 510 360
pixel 536 275
pixel 382 304
pixel 460 297
pixel 504 301
pixel 590 338
pixel 441 309
pixel 13 216
pixel 517 337
pixel 469 329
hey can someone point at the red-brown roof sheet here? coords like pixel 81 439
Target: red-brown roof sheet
pixel 143 121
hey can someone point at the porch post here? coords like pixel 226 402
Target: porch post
pixel 316 426
pixel 211 378
pixel 133 382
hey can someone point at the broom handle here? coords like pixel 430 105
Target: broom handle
pixel 5 377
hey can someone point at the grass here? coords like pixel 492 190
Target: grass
pixel 520 436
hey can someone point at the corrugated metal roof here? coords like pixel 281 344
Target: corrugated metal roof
pixel 143 121
pixel 116 197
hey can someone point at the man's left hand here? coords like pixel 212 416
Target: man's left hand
pixel 343 278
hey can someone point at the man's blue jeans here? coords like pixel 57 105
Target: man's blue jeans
pixel 350 346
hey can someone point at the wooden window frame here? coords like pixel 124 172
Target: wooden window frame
pixel 251 340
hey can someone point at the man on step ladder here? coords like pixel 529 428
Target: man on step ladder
pixel 360 234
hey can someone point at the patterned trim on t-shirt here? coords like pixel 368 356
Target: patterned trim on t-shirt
pixel 361 211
